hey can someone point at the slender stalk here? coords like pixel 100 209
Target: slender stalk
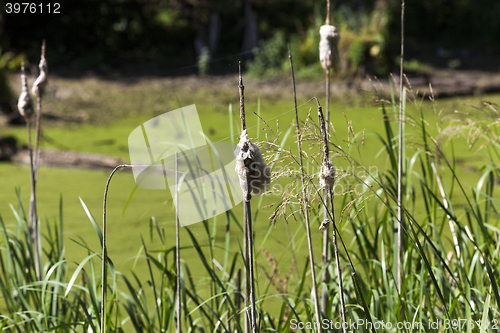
pixel 38 122
pixel 242 99
pixel 104 253
pixel 36 237
pixel 245 259
pixel 241 89
pixel 339 270
pixel 327 12
pixel 238 300
pixel 326 239
pixel 177 248
pixel 248 223
pixel 253 311
pixel 400 158
pixel 32 213
pixel 305 203
pixel 329 201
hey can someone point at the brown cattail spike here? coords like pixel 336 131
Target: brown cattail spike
pixel 25 103
pixel 328 46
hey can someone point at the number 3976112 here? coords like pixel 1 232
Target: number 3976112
pixel 32 8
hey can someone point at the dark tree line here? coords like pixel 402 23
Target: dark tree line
pixel 96 34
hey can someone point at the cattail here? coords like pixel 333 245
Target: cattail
pixel 328 46
pixel 324 225
pixel 248 156
pixel 327 175
pixel 41 81
pixel 25 103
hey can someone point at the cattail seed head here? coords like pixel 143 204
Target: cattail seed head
pixel 254 174
pixel 324 225
pixel 42 80
pixel 327 175
pixel 328 46
pixel 25 103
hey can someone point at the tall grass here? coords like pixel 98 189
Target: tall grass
pixel 442 282
pixel 449 264
pixel 305 204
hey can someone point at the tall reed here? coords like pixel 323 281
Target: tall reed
pixel 104 253
pixel 401 226
pixel 326 182
pixel 326 238
pixel 305 202
pixel 244 166
pixel 26 109
pixel 177 248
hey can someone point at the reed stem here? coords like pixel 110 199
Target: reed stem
pixel 104 253
pixel 305 202
pixel 177 248
pixel 248 222
pixel 328 200
pixel 326 239
pixel 400 159
pixel 32 210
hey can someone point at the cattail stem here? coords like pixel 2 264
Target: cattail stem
pixel 241 89
pixel 248 222
pixel 245 270
pixel 38 121
pixel 327 12
pixel 328 200
pixel 32 212
pixel 305 202
pixel 326 239
pixel 337 261
pixel 177 248
pixel 104 252
pixel 400 160
pixel 37 133
pixel 238 300
pixel 242 99
pixel 253 311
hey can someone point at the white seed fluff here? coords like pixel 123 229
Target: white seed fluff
pixel 324 225
pixel 328 46
pixel 25 103
pixel 41 81
pixel 254 174
pixel 327 175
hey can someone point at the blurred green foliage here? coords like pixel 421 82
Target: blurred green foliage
pixel 8 62
pixel 101 34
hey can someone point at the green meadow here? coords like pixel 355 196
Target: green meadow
pixel 92 115
pixel 114 109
